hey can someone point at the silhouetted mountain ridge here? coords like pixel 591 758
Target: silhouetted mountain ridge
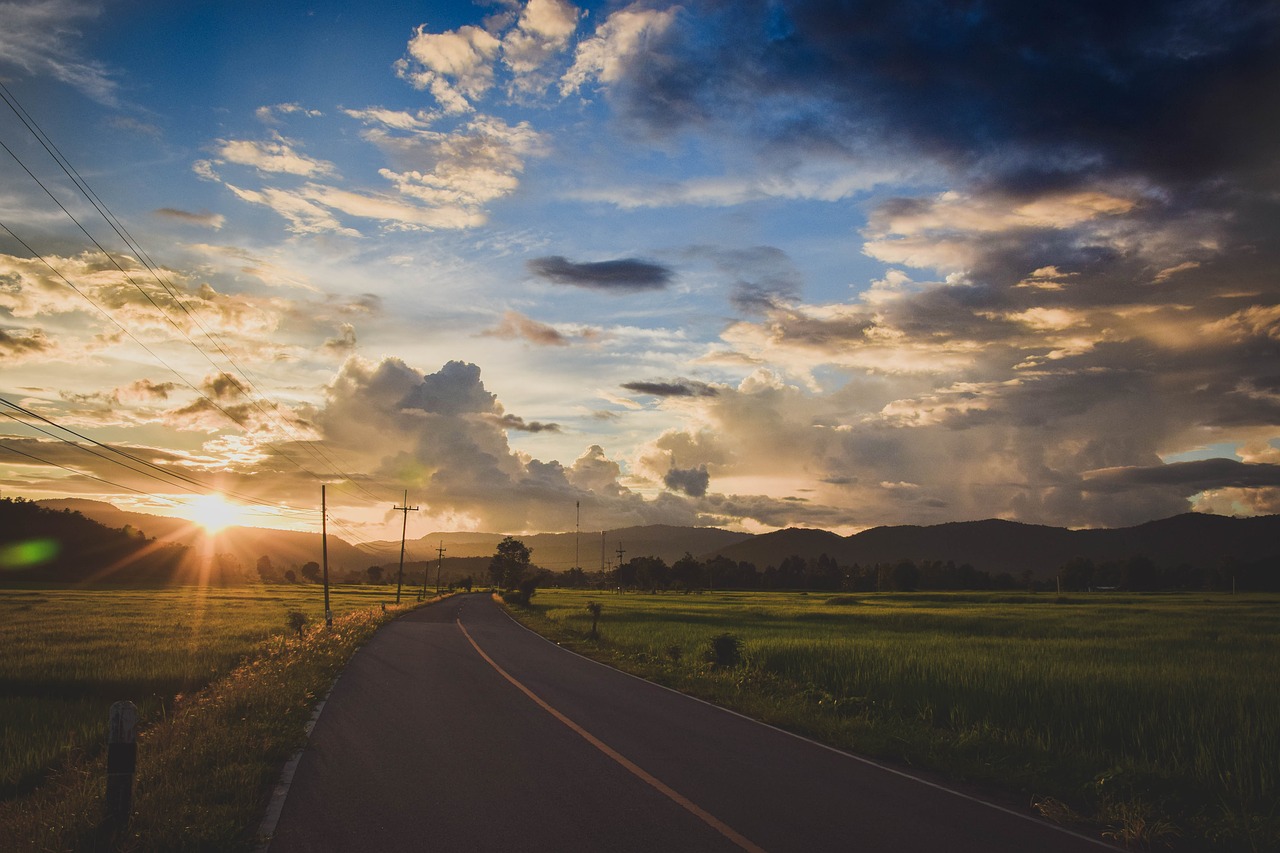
pixel 996 545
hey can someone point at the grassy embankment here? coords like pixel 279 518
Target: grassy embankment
pixel 1154 719
pixel 223 687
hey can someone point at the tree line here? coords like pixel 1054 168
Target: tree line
pixel 1133 574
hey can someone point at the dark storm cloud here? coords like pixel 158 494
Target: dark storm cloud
pixel 1190 477
pixel 519 424
pixel 681 388
pixel 1176 89
pixel 454 389
pixel 692 481
pixel 626 275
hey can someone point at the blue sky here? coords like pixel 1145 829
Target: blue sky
pixel 750 264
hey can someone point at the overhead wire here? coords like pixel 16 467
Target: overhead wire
pixel 122 232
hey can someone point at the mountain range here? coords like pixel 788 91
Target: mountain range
pixel 992 545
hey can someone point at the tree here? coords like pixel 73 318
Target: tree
pixel 290 576
pixel 510 563
pixel 687 571
pixel 374 573
pixel 311 571
pixel 266 570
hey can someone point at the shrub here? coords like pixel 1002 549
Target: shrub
pixel 725 650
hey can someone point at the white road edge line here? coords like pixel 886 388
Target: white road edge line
pixel 267 829
pixel 858 758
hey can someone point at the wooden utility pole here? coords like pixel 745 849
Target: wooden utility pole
pixel 439 565
pixel 324 552
pixel 577 529
pixel 403 527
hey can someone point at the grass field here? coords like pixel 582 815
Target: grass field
pixel 67 654
pixel 1153 718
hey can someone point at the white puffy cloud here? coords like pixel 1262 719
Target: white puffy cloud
pixel 540 36
pixel 455 66
pixel 622 38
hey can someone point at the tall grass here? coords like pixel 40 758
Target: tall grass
pixel 1149 715
pixel 66 654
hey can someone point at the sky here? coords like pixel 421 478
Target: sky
pixel 533 266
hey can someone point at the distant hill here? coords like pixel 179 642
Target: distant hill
pixel 38 543
pixel 1196 539
pixel 288 548
pixel 285 548
pixel 993 545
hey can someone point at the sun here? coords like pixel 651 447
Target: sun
pixel 213 512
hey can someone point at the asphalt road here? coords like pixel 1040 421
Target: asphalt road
pixel 457 729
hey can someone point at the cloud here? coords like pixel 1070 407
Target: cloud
pixel 509 421
pixel 620 40
pixel 1187 477
pixel 626 275
pixel 455 66
pixel 204 218
pixel 477 163
pixel 679 388
pixel 1173 91
pixel 38 37
pixel 541 34
pixel 17 346
pixel 447 434
pixel 277 156
pixel 271 113
pixel 516 326
pixel 692 481
pixel 763 276
pixel 345 343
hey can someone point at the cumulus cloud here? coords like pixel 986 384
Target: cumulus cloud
pixel 626 275
pixel 692 481
pixel 455 66
pixel 541 34
pixel 620 40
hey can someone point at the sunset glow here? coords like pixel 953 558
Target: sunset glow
pixel 751 265
pixel 213 512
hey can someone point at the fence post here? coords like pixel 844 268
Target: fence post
pixel 122 758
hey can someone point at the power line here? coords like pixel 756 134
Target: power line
pixel 51 148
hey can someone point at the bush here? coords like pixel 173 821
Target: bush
pixel 725 650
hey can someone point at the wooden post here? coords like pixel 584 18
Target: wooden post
pixel 122 759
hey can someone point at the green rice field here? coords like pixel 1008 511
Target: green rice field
pixel 67 654
pixel 1154 719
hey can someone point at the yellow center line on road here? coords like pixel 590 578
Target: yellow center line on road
pixel 650 780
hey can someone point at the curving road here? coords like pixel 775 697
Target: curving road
pixel 457 729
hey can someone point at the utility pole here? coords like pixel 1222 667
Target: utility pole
pixel 403 527
pixel 439 565
pixel 577 528
pixel 324 552
pixel 620 553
